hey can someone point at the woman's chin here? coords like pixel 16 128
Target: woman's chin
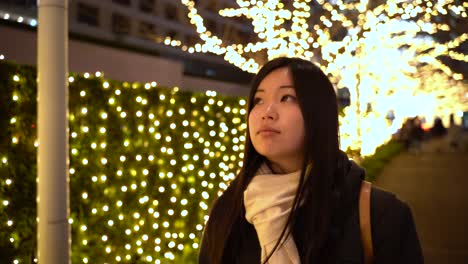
pixel 271 155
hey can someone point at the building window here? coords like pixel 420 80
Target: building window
pixel 122 2
pixel 147 6
pixel 146 30
pixel 120 24
pixel 211 25
pixel 171 34
pixel 170 12
pixel 20 3
pixel 192 40
pixel 212 6
pixel 88 14
pixel 245 37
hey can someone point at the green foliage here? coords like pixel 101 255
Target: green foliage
pixel 17 183
pixel 383 154
pixel 140 182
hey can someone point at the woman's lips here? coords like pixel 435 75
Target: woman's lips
pixel 268 132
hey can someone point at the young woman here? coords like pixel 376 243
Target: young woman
pixel 296 198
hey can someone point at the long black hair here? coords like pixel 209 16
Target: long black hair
pixel 318 104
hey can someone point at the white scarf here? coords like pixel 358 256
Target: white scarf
pixel 268 200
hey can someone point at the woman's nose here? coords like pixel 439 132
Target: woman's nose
pixel 270 112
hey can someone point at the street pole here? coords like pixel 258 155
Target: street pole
pixel 52 161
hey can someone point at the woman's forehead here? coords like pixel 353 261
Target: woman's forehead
pixel 277 79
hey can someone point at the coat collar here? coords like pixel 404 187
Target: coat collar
pixel 348 246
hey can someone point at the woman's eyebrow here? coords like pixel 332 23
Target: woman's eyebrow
pixel 288 86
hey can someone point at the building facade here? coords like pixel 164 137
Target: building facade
pixel 126 40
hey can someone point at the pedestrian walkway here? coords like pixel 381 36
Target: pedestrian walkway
pixel 434 182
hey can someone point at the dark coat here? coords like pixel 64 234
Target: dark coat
pixel 394 236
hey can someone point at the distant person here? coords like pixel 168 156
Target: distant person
pixel 416 135
pixel 452 120
pixel 465 120
pixel 404 134
pixel 455 135
pixel 438 129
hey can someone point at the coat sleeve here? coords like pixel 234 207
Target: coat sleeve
pixel 394 235
pixel 410 247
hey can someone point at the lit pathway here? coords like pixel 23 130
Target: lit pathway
pixel 435 185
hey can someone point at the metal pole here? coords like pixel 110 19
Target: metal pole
pixel 52 160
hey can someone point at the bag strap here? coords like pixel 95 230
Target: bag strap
pixel 365 221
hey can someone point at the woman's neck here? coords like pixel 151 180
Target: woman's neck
pixel 278 168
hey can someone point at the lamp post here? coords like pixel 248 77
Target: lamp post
pixel 52 160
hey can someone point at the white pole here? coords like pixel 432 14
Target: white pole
pixel 52 160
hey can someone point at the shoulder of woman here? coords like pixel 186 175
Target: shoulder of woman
pixel 390 216
pixel 386 205
pixel 394 234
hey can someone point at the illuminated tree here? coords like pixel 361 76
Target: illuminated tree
pixel 373 47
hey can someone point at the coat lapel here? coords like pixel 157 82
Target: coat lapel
pixel 250 246
pixel 349 249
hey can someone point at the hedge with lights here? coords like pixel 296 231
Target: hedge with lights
pixel 145 164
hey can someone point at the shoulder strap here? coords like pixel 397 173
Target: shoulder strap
pixel 365 221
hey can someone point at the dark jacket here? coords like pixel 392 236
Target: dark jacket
pixel 394 236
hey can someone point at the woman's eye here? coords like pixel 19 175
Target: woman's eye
pixel 288 97
pixel 256 100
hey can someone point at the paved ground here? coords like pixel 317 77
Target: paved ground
pixel 434 183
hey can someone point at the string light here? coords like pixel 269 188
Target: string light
pixel 268 21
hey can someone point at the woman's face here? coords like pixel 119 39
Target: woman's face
pixel 276 125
